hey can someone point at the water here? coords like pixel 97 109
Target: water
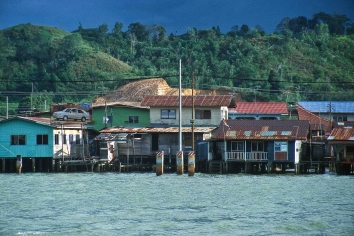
pixel 146 204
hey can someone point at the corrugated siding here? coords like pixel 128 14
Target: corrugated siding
pixel 30 129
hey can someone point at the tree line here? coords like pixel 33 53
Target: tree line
pixel 303 59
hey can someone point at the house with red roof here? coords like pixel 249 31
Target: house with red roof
pixel 258 111
pixel 206 110
pixel 259 145
pixel 200 115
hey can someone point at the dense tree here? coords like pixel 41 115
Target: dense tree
pixel 305 54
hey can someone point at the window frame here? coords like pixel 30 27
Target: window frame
pixel 171 114
pixel 18 140
pixel 202 114
pixel 56 139
pixel 42 139
pixel 237 143
pixel 279 146
pixel 133 119
pixel 263 149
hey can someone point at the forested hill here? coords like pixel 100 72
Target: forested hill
pixel 304 59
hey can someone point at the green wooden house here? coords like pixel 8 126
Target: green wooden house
pixel 118 115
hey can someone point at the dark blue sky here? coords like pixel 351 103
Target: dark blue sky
pixel 174 15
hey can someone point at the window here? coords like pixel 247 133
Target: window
pixel 188 142
pixel 202 114
pixel 340 118
pixel 259 146
pixel 268 118
pixel 237 146
pixel 77 139
pixel 64 138
pixel 42 139
pixel 280 151
pixel 168 114
pixel 245 118
pixel 18 139
pixel 317 133
pixel 56 139
pixel 133 119
pixel 71 139
pixel 280 146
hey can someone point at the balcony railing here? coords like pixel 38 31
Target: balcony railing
pixel 247 156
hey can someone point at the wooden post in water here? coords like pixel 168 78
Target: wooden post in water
pixel 19 164
pixel 33 165
pixel 159 163
pixel 3 165
pixel 191 164
pixel 179 162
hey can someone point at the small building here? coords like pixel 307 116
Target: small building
pixel 331 110
pixel 119 114
pixel 259 145
pixel 139 145
pixel 258 111
pixel 316 149
pixel 341 141
pixel 208 109
pixel 41 143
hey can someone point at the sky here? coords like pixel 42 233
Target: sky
pixel 176 16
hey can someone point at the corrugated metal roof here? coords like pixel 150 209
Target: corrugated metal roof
pixel 260 108
pixel 317 122
pixel 49 122
pixel 156 130
pixel 199 100
pixel 342 134
pixel 324 106
pixel 263 130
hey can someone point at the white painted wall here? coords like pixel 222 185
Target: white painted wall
pixel 217 114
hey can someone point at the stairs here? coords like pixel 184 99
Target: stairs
pixel 215 167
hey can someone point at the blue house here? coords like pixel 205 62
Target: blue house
pixel 259 145
pixel 40 143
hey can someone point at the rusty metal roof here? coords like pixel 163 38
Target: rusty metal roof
pixel 49 122
pixel 263 130
pixel 156 130
pixel 341 134
pixel 317 122
pixel 260 108
pixel 199 100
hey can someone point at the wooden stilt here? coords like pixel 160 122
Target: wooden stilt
pixel 33 165
pixel 3 165
pixel 191 164
pixel 160 163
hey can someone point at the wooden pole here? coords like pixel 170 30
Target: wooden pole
pixel 179 161
pixel 191 163
pixel 160 163
pixel 19 164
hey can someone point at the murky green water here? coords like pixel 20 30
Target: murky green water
pixel 144 204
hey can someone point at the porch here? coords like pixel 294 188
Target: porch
pixel 246 156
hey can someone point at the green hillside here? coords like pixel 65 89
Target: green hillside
pixel 45 59
pixel 304 59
